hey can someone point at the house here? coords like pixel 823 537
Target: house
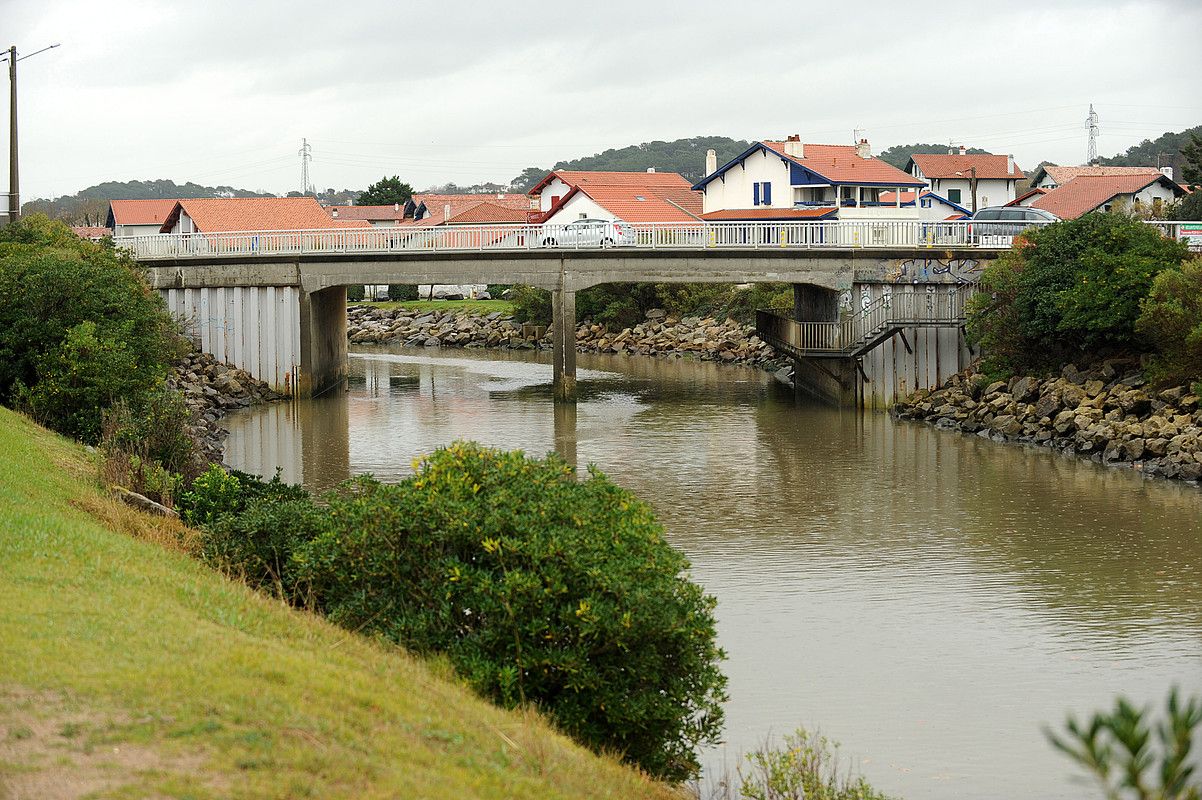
pixel 461 209
pixel 1049 176
pixel 791 180
pixel 1086 193
pixel 931 207
pixel 228 214
pixel 137 217
pixel 627 196
pixel 556 185
pixel 952 176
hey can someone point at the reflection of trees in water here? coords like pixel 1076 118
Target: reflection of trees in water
pixel 1093 545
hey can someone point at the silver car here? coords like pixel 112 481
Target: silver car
pixel 1008 221
pixel 589 233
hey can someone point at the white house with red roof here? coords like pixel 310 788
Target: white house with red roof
pixel 1050 176
pixel 137 217
pixel 1085 193
pixel 952 175
pixel 792 180
pixel 231 214
pixel 627 196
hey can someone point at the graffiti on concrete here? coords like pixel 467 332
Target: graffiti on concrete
pixel 918 270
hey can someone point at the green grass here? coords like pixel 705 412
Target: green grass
pixel 136 671
pixel 479 307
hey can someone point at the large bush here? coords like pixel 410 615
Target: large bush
pixel 402 291
pixel 1171 318
pixel 79 328
pixel 540 588
pixel 1067 289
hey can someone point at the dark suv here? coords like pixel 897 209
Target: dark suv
pixel 1008 220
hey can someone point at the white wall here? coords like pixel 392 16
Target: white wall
pixel 990 191
pixel 736 191
pixel 135 230
pixel 579 207
pixel 552 192
pixel 256 329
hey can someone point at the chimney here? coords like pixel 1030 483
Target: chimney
pixel 446 211
pixel 862 149
pixel 963 150
pixel 1167 172
pixel 794 148
pixel 711 162
pixel 651 169
pixel 334 213
pixel 1010 164
pixel 396 206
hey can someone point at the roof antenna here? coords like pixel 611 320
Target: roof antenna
pixel 857 134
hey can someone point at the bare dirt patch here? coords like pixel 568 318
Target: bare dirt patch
pixel 54 749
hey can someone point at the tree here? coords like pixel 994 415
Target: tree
pixel 1171 318
pixel 385 192
pixel 1131 759
pixel 541 588
pixel 1069 288
pixel 1191 168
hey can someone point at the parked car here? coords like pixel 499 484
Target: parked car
pixel 1008 221
pixel 589 233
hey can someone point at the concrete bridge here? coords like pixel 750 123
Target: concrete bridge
pixel 275 303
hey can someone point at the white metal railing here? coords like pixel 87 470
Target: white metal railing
pixel 836 235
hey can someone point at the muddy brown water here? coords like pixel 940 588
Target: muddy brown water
pixel 929 600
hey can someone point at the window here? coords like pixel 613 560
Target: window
pixel 761 193
pixel 954 195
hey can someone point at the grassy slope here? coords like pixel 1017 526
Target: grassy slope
pixel 113 644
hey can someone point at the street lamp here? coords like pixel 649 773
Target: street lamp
pixel 14 181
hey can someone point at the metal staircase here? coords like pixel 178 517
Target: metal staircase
pixel 861 331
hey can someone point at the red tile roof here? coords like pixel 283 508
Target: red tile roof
pixel 646 203
pixel 935 165
pixel 393 213
pixel 733 214
pixel 595 178
pixel 841 164
pixel 140 212
pixel 223 214
pixel 509 200
pixel 488 213
pixel 91 231
pixel 1089 192
pixel 1063 175
pixel 1018 201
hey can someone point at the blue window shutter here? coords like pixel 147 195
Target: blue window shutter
pixel 767 194
pixel 755 194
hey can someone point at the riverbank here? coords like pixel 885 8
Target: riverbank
pixel 661 334
pixel 155 675
pixel 211 389
pixel 1107 414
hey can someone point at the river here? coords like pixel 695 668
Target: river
pixel 928 600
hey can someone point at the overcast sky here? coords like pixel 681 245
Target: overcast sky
pixel 222 92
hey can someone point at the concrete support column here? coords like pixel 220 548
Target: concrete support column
pixel 323 358
pixel 815 303
pixel 834 380
pixel 563 345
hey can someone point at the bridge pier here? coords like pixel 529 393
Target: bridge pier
pixel 323 346
pixel 835 380
pixel 563 345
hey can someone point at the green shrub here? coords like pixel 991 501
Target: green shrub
pixel 1171 318
pixel 355 293
pixel 540 588
pixel 807 766
pixel 1069 288
pixel 531 305
pixel 220 493
pixel 256 544
pixel 79 328
pixel 1131 758
pixel 148 449
pixel 402 291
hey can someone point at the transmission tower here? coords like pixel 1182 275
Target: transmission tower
pixel 306 155
pixel 1091 154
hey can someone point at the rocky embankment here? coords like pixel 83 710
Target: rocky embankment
pixel 660 334
pixel 211 389
pixel 1108 414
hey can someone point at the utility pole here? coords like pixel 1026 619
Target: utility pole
pixel 306 155
pixel 14 180
pixel 972 184
pixel 1091 153
pixel 14 176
